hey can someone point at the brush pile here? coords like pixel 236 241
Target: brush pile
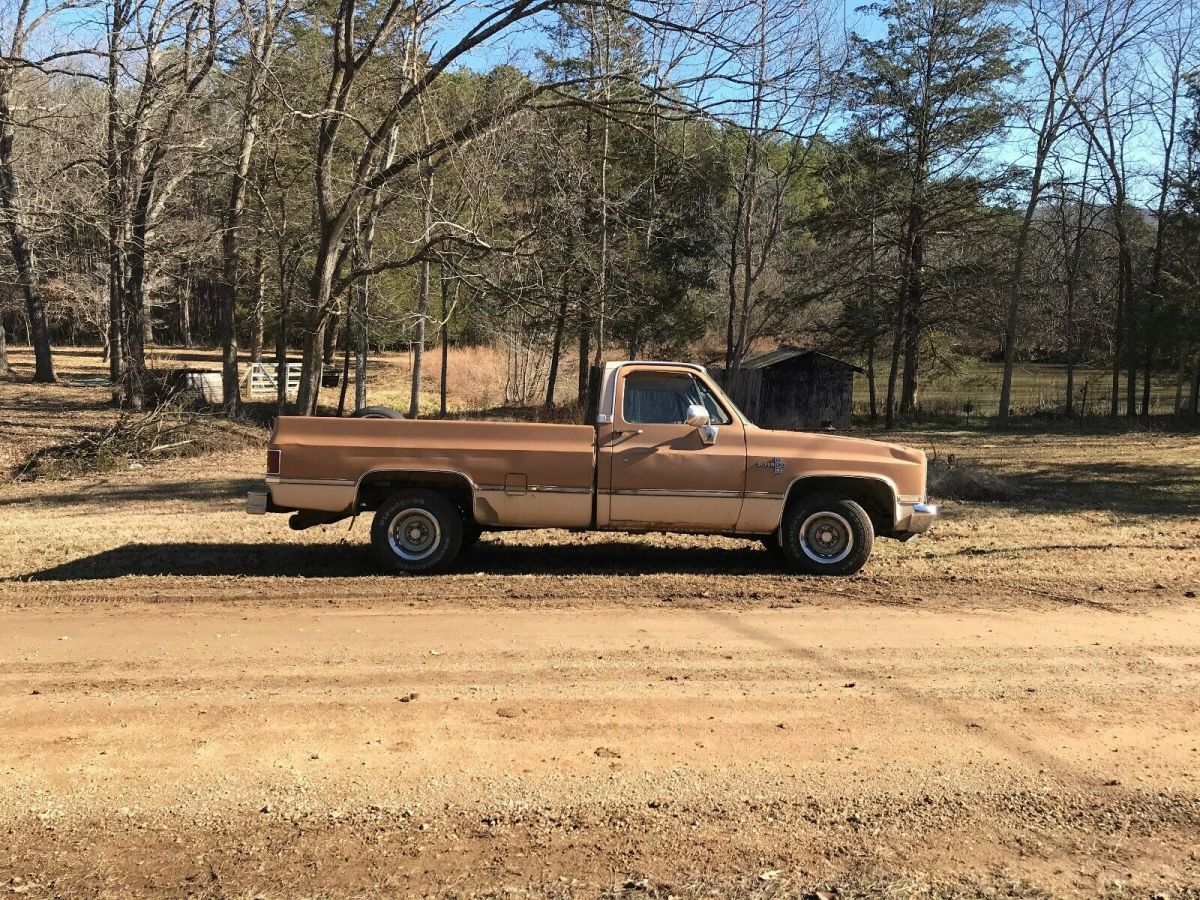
pixel 174 428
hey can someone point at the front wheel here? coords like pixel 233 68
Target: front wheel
pixel 417 531
pixel 827 534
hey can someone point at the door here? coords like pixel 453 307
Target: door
pixel 661 473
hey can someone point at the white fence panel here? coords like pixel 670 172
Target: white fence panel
pixel 262 378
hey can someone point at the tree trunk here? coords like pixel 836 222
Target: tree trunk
pixel 1125 256
pixel 361 337
pixel 1114 405
pixel 320 300
pixel 4 369
pixel 1148 366
pixel 1069 407
pixel 281 349
pixel 185 312
pixel 311 367
pixel 912 350
pixel 585 371
pixel 341 408
pixel 872 401
pixel 889 418
pixel 360 304
pixel 414 400
pixel 19 246
pixel 418 343
pixel 39 327
pixel 444 340
pixel 230 383
pixel 560 324
pixel 1180 376
pixel 912 292
pixel 330 343
pixel 135 365
pixel 115 205
pixel 134 294
pixel 257 325
pixel 1012 319
pixel 1196 387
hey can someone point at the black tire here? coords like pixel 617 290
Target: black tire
pixel 772 545
pixel 376 412
pixel 471 534
pixel 827 534
pixel 435 538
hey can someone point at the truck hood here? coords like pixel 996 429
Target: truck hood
pixel 807 454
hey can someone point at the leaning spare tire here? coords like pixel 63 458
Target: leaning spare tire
pixel 376 412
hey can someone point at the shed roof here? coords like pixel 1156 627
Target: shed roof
pixel 787 352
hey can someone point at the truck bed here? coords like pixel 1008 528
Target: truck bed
pixel 527 472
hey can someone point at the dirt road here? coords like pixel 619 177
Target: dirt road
pixel 237 749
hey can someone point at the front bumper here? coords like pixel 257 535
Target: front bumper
pixel 913 519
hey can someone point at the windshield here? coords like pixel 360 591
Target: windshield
pixel 729 404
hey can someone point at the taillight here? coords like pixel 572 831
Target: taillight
pixel 273 462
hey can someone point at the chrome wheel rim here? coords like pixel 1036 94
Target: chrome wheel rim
pixel 826 538
pixel 414 534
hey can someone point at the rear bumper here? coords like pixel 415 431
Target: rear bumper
pixel 913 519
pixel 289 494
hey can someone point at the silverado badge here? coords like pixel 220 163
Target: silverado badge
pixel 775 464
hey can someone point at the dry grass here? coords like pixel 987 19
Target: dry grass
pixel 1039 389
pixel 950 479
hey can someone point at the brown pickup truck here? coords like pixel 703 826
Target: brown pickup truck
pixel 668 451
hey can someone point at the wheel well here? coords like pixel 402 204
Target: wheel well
pixel 377 486
pixel 874 496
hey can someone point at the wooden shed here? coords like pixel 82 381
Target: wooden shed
pixel 793 389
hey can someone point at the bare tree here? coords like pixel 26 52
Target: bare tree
pixel 159 55
pixel 22 23
pixel 1109 109
pixel 1063 61
pixel 797 61
pixel 1175 42
pixel 259 24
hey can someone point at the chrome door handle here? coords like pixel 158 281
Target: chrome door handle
pixel 629 431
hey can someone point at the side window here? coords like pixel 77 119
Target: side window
pixel 652 399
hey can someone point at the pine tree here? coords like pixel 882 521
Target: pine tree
pixel 933 90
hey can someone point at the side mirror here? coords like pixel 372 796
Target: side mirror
pixel 697 416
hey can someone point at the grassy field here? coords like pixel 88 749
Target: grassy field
pixel 1037 388
pixel 480 378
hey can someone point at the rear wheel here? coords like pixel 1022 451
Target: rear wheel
pixel 827 534
pixel 417 531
